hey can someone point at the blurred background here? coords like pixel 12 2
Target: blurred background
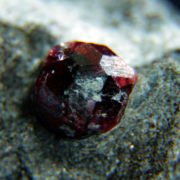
pixel 138 30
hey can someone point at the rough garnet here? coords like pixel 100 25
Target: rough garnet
pixel 82 89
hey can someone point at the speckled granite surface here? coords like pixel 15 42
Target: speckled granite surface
pixel 145 145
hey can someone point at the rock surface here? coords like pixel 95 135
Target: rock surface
pixel 145 145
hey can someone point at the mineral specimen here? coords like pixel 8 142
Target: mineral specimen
pixel 83 89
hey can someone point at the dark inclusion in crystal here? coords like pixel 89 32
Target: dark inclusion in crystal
pixel 82 89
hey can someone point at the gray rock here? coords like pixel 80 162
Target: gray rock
pixel 145 145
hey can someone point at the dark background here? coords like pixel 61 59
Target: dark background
pixel 175 3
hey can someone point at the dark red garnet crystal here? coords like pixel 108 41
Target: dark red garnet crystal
pixel 82 89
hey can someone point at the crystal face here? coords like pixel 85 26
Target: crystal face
pixel 82 89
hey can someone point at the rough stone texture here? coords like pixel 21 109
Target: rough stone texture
pixel 144 145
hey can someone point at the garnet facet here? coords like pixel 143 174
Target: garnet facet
pixel 82 89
